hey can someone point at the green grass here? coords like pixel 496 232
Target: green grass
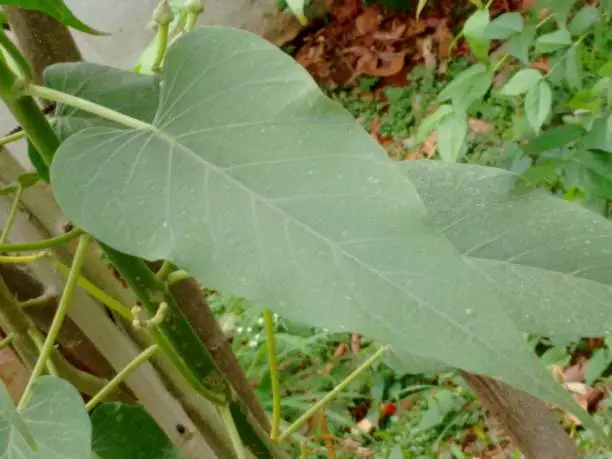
pixel 437 415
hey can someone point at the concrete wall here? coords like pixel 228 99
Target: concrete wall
pixel 128 23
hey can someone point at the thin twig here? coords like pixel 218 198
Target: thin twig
pixel 58 318
pixel 42 245
pixel 11 217
pixel 121 376
pixel 330 396
pixel 273 367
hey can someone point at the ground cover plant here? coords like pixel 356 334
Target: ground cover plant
pixel 220 159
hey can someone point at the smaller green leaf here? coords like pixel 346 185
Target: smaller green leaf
pixel 519 45
pixel 9 413
pixel 557 355
pixel 451 136
pixel 538 103
pixel 590 171
pixel 556 69
pixel 584 99
pixel 57 9
pixel 553 41
pixel 438 406
pixel 462 80
pixel 431 121
pixel 123 431
pixel 552 139
pixel 606 70
pixel 480 48
pixel 521 82
pixel 599 136
pixel 600 361
pixel 560 9
pixel 544 173
pixel 504 26
pixel 584 19
pixel 573 67
pixel 467 87
pixel 55 415
pixel 474 32
pixel 602 86
pixel 476 24
pixel 28 179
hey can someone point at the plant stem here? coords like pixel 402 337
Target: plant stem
pixel 226 414
pixel 335 391
pixel 97 293
pixel 11 217
pixel 190 22
pixel 121 376
pixel 28 115
pixel 6 342
pixel 42 245
pixel 193 9
pixel 273 366
pixel 24 67
pixel 38 340
pixel 12 138
pixel 175 335
pixel 165 270
pixel 83 104
pixel 567 50
pixel 505 57
pixel 23 258
pixel 58 318
pixel 177 276
pixel 162 45
pixel 44 300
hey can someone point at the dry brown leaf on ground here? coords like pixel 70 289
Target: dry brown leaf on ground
pixel 13 373
pixel 386 64
pixel 368 21
pixel 394 34
pixel 425 46
pixel 427 148
pixel 354 447
pixel 575 373
pixel 587 397
pixel 541 64
pixel 343 9
pixel 444 39
pixel 283 29
pixel 480 126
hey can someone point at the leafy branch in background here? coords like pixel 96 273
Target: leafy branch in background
pixel 571 145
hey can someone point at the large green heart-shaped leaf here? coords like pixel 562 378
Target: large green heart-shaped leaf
pixel 550 260
pixel 11 418
pixel 263 188
pixel 57 9
pixel 55 416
